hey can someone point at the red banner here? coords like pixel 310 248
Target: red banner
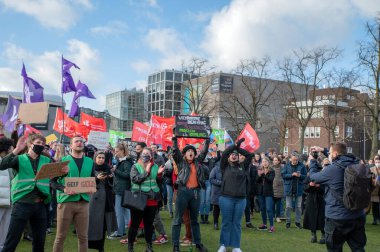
pixel 29 129
pixel 139 132
pixel 161 131
pixel 70 125
pixel 251 142
pixel 93 123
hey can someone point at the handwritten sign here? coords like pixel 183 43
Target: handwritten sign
pixel 81 185
pixel 36 112
pixel 50 138
pixel 192 126
pixel 51 170
pixel 99 139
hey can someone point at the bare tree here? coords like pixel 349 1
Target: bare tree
pixel 369 62
pixel 254 94
pixel 196 89
pixel 309 68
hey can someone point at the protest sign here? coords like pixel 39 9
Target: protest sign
pixel 33 112
pixel 192 126
pixel 51 170
pixel 115 136
pixel 81 185
pixel 99 139
pixel 50 138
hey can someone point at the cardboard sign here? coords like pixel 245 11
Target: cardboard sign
pixel 51 170
pixel 192 126
pixel 33 112
pixel 81 185
pixel 50 138
pixel 99 139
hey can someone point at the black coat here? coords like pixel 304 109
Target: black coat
pixel 314 216
pixel 265 184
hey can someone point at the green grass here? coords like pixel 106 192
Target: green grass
pixel 252 240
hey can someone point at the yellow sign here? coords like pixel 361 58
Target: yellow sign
pixel 50 138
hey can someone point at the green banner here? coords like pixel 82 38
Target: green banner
pixel 115 136
pixel 218 136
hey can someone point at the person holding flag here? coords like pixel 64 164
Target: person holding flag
pixel 29 196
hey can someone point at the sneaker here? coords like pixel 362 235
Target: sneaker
pixel 161 239
pixel 298 225
pixel 287 225
pixel 125 241
pixel 237 250
pixel 249 225
pixel 48 231
pixel 200 248
pixel 113 236
pixel 263 227
pixel 271 229
pixel 278 220
pixel 186 242
pixel 222 248
pixel 171 215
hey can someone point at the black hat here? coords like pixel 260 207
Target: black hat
pixel 189 147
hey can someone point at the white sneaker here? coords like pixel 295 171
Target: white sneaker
pixel 222 249
pixel 237 250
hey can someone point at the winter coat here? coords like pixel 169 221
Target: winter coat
pixel 101 211
pixel 278 182
pixel 332 176
pixel 216 183
pixel 5 188
pixel 314 214
pixel 375 193
pixel 122 178
pixel 288 178
pixel 169 172
pixel 265 183
pixel 252 180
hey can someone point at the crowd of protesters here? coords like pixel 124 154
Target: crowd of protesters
pixel 189 183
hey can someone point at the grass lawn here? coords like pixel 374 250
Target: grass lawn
pixel 252 240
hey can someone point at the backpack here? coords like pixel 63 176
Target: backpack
pixel 357 187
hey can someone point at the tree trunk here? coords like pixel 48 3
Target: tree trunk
pixel 375 121
pixel 302 139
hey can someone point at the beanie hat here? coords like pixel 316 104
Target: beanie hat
pixel 189 147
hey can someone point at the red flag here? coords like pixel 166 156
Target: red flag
pixel 93 123
pixel 251 142
pixel 29 129
pixel 70 125
pixel 161 131
pixel 139 132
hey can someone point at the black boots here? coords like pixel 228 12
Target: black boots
pixel 206 219
pixel 323 239
pixel 202 219
pixel 313 237
pixel 216 226
pixel 149 248
pixel 176 248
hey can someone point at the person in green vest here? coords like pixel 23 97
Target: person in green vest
pixel 144 176
pixel 72 206
pixel 29 196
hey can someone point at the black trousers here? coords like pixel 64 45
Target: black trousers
pixel 340 231
pixel 21 213
pixel 148 217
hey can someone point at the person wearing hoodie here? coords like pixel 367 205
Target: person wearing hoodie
pixel 121 182
pixel 341 224
pixel 190 180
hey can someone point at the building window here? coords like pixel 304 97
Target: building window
pixel 312 132
pixel 349 150
pixel 286 132
pixel 348 131
pixel 307 132
pixel 317 132
pixel 336 131
pixel 305 150
pixel 286 150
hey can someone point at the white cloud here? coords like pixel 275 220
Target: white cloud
pixel 153 3
pixel 141 66
pixel 112 28
pixel 50 13
pixel 254 28
pixel 368 8
pixel 168 43
pixel 45 68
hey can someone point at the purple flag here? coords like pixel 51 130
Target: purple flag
pixel 68 84
pixel 33 91
pixel 74 110
pixel 82 90
pixel 11 113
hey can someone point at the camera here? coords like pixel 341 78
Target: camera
pixel 314 154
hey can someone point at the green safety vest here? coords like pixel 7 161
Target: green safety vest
pixel 74 172
pixel 23 183
pixel 150 183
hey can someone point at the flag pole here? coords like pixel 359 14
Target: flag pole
pixel 62 106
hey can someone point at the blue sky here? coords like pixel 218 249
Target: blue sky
pixel 117 44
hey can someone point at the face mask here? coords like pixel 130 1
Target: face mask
pixel 38 149
pixel 159 153
pixel 145 158
pixel 377 165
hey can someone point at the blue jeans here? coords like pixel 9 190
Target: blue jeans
pixel 266 207
pixel 186 199
pixel 169 190
pixel 232 210
pixel 204 208
pixel 122 215
pixel 289 203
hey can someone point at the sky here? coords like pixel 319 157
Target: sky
pixel 117 44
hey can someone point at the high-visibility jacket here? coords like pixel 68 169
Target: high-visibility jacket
pixel 150 183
